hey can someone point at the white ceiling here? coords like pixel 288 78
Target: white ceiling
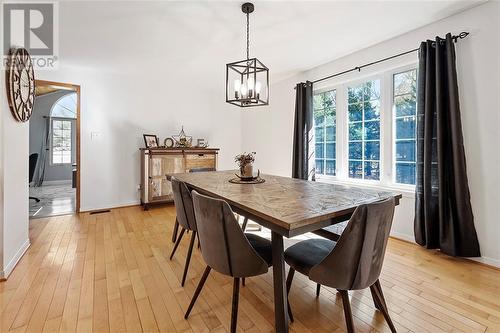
pixel 196 38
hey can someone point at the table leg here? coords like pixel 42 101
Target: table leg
pixel 280 297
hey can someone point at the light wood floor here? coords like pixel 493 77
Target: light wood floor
pixel 110 272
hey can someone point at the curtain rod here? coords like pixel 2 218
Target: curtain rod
pixel 455 38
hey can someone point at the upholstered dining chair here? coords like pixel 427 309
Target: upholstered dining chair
pixel 185 218
pixel 332 232
pixel 226 249
pixel 352 263
pixel 176 224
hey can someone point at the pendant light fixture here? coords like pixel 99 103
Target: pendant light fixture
pixel 247 81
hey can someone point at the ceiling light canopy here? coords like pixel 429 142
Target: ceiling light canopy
pixel 247 81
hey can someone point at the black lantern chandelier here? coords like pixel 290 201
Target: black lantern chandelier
pixel 247 81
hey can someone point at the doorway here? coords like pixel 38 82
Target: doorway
pixel 54 145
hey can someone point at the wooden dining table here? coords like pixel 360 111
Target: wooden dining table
pixel 288 207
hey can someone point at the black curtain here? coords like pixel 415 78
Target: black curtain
pixel 443 213
pixel 303 151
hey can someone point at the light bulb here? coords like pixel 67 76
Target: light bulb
pixel 258 87
pixel 237 85
pixel 251 83
pixel 243 90
pixel 251 86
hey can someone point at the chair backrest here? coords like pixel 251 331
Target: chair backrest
pixel 356 260
pixel 223 244
pixel 183 204
pixel 32 165
pixel 201 169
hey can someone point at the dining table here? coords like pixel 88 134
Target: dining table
pixel 288 207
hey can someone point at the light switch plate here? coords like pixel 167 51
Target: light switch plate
pixel 95 135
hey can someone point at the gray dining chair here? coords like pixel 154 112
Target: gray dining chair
pixel 352 263
pixel 226 248
pixel 185 217
pixel 331 232
pixel 176 224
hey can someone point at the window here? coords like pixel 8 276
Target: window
pixel 375 119
pixel 61 141
pixel 364 130
pixel 405 112
pixel 325 132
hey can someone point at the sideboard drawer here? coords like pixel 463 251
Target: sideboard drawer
pixel 200 161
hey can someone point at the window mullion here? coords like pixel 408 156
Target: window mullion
pixel 342 133
pixel 386 152
pixel 324 144
pixel 363 137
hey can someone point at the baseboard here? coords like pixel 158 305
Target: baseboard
pixel 487 261
pixel 56 182
pixel 401 236
pixel 111 206
pixel 494 263
pixel 12 264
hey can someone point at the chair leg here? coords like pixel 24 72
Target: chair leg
pixel 197 291
pixel 377 290
pixel 375 299
pixel 174 233
pixel 243 282
pixel 188 258
pixel 234 310
pixel 347 311
pixel 177 243
pixel 289 279
pixel 244 225
pixel 318 288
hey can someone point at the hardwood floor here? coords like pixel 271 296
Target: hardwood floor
pixel 110 272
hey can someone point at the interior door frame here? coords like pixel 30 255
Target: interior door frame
pixel 75 88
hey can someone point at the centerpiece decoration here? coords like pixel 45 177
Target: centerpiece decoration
pixel 245 163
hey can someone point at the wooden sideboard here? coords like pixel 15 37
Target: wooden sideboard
pixel 156 163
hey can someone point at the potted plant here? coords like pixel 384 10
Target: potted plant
pixel 245 163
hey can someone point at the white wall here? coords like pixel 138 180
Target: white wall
pixel 13 186
pixel 269 130
pixel 122 107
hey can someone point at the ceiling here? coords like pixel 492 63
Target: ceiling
pixel 179 39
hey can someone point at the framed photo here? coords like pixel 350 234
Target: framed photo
pixel 151 141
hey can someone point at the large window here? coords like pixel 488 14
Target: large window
pixel 405 144
pixel 61 141
pixel 325 106
pixel 364 130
